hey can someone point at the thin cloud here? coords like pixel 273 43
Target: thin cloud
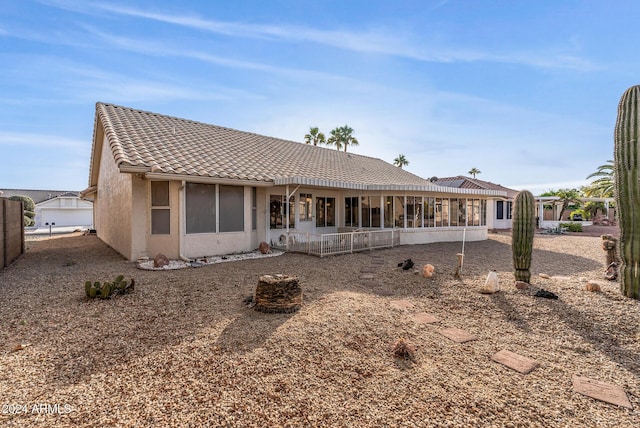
pixel 38 140
pixel 382 41
pixel 163 50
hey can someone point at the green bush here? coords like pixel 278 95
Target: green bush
pixel 28 221
pixel 28 203
pixel 572 227
pixel 585 214
pixel 29 208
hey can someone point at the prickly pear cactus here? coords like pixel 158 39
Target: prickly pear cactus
pixel 626 164
pixel 522 231
pixel 107 289
pixel 93 291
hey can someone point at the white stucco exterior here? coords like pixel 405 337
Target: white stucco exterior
pixel 64 211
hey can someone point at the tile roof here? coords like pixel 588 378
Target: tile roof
pixel 462 182
pixel 155 143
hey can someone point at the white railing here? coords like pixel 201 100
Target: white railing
pixel 328 244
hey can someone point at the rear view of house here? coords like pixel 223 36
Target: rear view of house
pixel 190 189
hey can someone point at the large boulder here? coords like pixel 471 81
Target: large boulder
pixel 160 260
pixel 264 248
pixel 491 284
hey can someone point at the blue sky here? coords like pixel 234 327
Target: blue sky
pixel 525 91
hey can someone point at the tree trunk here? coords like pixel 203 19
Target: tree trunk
pixel 278 293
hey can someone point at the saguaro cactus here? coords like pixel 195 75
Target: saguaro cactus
pixel 626 164
pixel 523 228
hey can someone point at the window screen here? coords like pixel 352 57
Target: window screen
pixel 231 208
pixel 201 208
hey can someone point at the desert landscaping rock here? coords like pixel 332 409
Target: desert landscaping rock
pixel 515 361
pixel 160 261
pixel 425 318
pixel 401 304
pixel 457 335
pixel 184 350
pixel 601 391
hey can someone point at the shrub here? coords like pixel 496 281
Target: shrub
pixel 29 208
pixel 585 214
pixel 572 227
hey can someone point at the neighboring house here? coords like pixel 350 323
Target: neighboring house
pixel 186 189
pixel 499 208
pixel 64 208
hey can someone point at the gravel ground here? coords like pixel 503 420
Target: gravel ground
pixel 183 349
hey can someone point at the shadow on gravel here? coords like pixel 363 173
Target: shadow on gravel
pixel 603 336
pixel 250 330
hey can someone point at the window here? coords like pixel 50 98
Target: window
pixel 304 207
pixel 351 212
pixel 399 211
pixel 499 210
pixel 366 212
pixel 388 212
pixel 374 201
pixel 325 212
pixel 160 210
pixel 442 212
pixel 473 210
pixel 429 212
pixel 231 208
pixel 501 207
pixel 277 211
pixel 200 208
pixel 483 212
pixel 414 211
pixel 202 215
pixel 453 206
pixel 462 212
pixel 254 208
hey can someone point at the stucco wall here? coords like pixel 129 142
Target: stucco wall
pixel 113 204
pixel 146 244
pixel 443 234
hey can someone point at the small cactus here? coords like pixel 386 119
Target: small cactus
pixel 523 229
pixel 107 289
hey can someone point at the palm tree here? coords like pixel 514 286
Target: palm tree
pixel 400 161
pixel 335 139
pixel 342 136
pixel 602 187
pixel 474 171
pixel 567 197
pixel 314 136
